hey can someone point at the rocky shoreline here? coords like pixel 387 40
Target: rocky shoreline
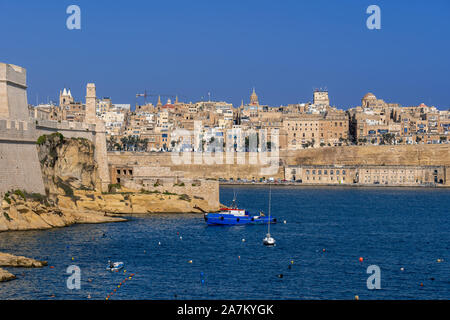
pixel 10 260
pixel 21 213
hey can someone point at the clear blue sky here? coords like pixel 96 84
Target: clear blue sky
pixel 283 48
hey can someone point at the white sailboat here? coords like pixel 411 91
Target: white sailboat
pixel 269 240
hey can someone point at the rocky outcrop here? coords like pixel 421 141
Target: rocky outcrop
pixel 67 164
pixel 133 203
pixel 21 212
pixel 10 260
pixel 6 276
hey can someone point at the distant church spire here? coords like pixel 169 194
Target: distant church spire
pixel 159 104
pixel 254 98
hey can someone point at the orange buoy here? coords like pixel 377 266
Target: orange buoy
pixel 361 259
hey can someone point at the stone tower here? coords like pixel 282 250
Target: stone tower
pixel 320 98
pixel 13 92
pixel 91 100
pixel 19 163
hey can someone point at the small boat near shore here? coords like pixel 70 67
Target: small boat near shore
pixel 269 240
pixel 114 266
pixel 234 216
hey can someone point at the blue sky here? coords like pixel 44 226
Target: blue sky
pixel 282 48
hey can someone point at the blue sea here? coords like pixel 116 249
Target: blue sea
pixel 326 231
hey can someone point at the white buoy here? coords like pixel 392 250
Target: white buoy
pixel 243 240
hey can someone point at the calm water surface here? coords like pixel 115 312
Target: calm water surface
pixel 389 227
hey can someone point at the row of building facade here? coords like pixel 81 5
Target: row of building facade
pixel 307 125
pixel 369 175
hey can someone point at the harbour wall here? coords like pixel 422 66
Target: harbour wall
pixel 399 155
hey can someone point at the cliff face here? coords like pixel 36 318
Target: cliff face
pixel 73 194
pixel 67 164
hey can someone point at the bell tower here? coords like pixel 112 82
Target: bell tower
pixel 91 99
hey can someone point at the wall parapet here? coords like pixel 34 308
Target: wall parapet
pixel 66 125
pixel 17 130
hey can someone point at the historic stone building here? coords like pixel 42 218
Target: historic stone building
pixel 369 175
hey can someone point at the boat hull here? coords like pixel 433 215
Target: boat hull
pixel 229 219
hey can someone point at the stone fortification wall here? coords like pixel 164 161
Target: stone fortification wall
pixel 19 164
pixel 243 169
pixel 401 155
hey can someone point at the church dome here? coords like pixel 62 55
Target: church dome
pixel 369 96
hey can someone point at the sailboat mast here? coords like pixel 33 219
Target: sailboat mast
pixel 270 196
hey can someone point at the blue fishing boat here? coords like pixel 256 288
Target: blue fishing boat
pixel 231 216
pixel 235 216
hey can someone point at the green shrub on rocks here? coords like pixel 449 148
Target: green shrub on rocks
pixel 181 184
pixel 20 193
pixel 42 139
pixel 7 217
pixel 43 199
pixel 143 191
pixel 6 198
pixel 185 197
pixel 113 187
